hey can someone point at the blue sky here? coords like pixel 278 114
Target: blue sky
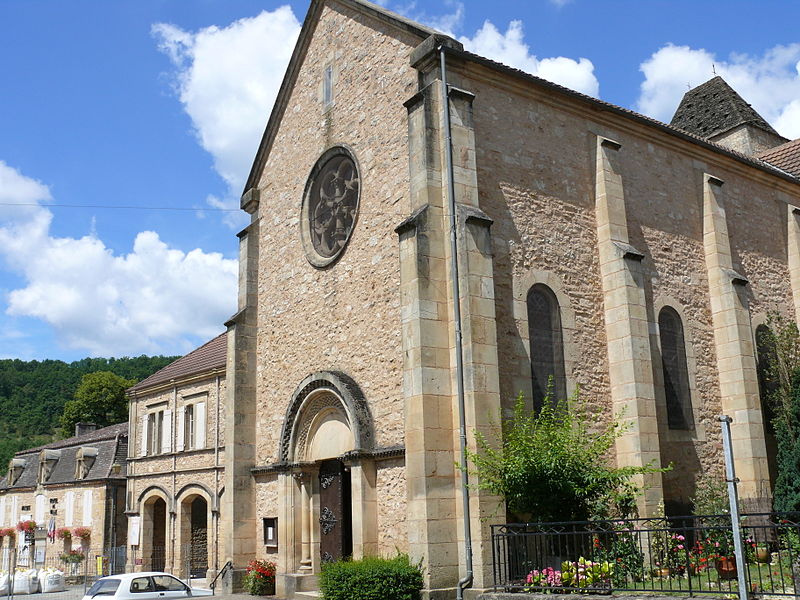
pixel 159 104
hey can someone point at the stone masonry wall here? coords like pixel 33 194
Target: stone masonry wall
pixel 535 172
pixel 346 316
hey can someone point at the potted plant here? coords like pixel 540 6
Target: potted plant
pixel 260 578
pixel 82 533
pixel 28 529
pixel 7 532
pixel 72 557
pixel 726 568
pixel 64 533
pixel 763 555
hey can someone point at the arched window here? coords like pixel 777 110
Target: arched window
pixel 676 373
pixel 546 344
pixel 767 385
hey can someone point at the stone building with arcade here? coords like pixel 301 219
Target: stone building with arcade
pixel 176 464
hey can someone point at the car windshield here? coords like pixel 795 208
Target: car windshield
pixel 103 587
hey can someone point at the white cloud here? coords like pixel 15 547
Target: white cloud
pixel 770 82
pixel 510 49
pixel 153 299
pixel 227 79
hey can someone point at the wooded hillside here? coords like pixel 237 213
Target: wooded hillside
pixel 33 394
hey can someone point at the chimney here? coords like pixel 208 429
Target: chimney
pixel 84 428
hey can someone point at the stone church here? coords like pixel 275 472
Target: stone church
pixel 620 255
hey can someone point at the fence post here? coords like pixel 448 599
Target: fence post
pixel 733 498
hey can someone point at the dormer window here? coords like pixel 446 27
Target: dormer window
pixel 15 469
pixel 84 459
pixel 47 462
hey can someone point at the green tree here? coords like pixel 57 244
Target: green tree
pixel 552 465
pixel 782 376
pixel 100 399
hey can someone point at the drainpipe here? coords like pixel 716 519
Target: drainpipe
pixel 216 483
pixel 465 581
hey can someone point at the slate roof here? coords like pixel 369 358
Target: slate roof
pixel 714 107
pixel 786 157
pixel 211 355
pixel 111 444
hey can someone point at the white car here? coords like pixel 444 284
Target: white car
pixel 143 586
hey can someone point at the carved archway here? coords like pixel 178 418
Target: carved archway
pixel 321 400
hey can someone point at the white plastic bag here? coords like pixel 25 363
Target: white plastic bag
pixel 22 583
pixel 52 580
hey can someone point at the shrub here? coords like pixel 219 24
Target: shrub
pixel 779 372
pixel 553 464
pixel 371 579
pixel 72 557
pixel 260 578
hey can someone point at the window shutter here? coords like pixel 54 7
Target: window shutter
pixel 69 507
pixel 14 515
pixel 143 451
pixel 87 507
pixel 200 425
pixel 39 514
pixel 166 429
pixel 3 511
pixel 179 442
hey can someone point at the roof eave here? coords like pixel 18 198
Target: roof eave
pixel 622 112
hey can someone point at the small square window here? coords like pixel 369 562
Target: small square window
pixel 271 531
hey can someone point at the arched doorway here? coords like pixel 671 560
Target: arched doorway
pixel 154 531
pixel 194 536
pixel 327 426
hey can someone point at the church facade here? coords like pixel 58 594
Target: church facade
pixel 621 256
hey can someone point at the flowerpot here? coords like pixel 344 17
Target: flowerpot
pixel 763 555
pixel 726 568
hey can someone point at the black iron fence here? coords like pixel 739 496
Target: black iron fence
pixel 686 555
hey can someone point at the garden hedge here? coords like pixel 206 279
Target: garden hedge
pixel 371 579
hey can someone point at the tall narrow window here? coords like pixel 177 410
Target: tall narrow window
pixel 546 344
pixel 767 386
pixel 327 86
pixel 188 430
pixel 676 372
pixel 155 429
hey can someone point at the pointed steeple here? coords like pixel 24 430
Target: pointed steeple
pixel 715 111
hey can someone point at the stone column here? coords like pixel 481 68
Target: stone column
pixel 364 509
pixel 289 533
pixel 239 502
pixel 793 215
pixel 479 336
pixel 424 285
pixel 305 523
pixel 733 341
pixel 627 332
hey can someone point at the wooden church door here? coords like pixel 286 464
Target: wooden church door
pixel 335 515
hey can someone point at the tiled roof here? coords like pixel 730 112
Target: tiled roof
pixel 786 157
pixel 105 433
pixel 715 107
pixel 111 444
pixel 211 355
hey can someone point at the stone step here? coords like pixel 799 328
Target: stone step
pixel 311 595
